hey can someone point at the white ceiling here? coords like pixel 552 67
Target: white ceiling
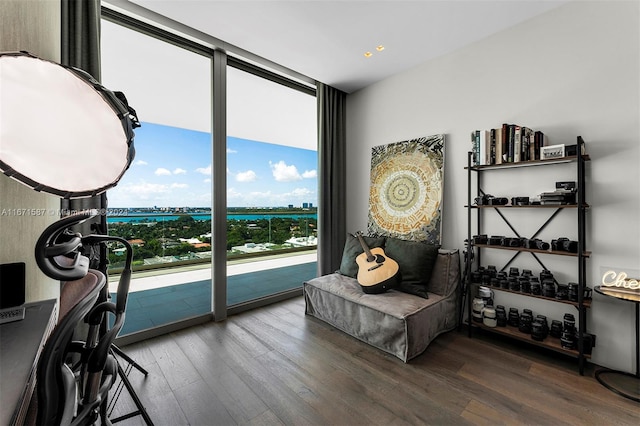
pixel 326 40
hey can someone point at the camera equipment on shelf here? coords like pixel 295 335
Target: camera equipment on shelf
pixel 520 201
pixel 564 194
pixel 535 244
pixel 495 240
pixel 490 200
pixel 564 244
pixel 480 239
pixel 511 242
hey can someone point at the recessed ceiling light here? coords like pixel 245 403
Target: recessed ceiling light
pixel 380 48
pixel 368 54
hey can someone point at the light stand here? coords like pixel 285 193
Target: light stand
pixel 65 134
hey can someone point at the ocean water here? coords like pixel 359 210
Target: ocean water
pixel 160 217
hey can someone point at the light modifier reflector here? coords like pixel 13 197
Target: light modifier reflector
pixel 61 132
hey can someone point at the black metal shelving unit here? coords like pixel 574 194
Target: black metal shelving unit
pixel 474 251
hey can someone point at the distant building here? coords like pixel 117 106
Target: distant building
pixel 302 241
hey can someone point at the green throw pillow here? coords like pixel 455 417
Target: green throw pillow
pixel 352 248
pixel 415 260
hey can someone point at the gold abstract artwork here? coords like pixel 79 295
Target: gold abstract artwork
pixel 405 197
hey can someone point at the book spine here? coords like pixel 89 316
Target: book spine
pixel 476 149
pixel 537 137
pixel 517 144
pixel 499 150
pixel 505 142
pixel 531 145
pixel 510 143
pixel 483 147
pixel 473 148
pixel 492 150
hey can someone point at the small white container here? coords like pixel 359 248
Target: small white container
pixel 489 316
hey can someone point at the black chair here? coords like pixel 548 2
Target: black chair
pixel 57 383
pixel 74 377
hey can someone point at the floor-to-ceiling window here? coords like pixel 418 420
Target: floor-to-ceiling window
pixel 163 204
pixel 272 182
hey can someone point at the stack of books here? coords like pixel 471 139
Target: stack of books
pixel 510 143
pixel 558 197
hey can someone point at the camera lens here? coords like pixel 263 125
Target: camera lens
pixel 514 284
pixel 546 275
pixel 562 293
pixel 572 292
pixel 538 330
pixel 556 329
pixel 536 289
pixel 548 289
pixel 568 340
pixel 569 324
pixel 513 319
pixel 501 316
pixel 525 322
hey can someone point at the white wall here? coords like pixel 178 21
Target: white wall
pixel 572 71
pixel 33 26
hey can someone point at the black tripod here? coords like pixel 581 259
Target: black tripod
pixel 123 373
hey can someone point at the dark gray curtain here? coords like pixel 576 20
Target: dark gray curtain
pixel 80 41
pixel 332 192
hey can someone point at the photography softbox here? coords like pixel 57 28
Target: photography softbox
pixel 61 131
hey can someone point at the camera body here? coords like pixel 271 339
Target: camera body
pixel 490 200
pixel 564 244
pixel 519 201
pixel 535 244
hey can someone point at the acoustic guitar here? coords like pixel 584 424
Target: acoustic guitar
pixel 376 272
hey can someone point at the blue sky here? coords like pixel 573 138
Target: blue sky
pixel 172 168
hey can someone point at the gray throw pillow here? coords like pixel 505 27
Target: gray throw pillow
pixel 415 260
pixel 352 248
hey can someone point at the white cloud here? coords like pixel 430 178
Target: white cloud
pixel 140 163
pixel 179 185
pixel 143 189
pixel 248 176
pixel 284 173
pixel 299 192
pixel 204 170
pixel 161 171
pixel 310 174
pixel 232 193
pixel 260 195
pixel 207 180
pixel 231 151
pixel 179 171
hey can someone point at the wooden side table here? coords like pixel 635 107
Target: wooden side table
pixel 623 383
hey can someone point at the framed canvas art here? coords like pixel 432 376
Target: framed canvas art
pixel 405 197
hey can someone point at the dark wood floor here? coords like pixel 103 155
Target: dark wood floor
pixel 275 366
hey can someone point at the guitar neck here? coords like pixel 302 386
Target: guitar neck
pixel 370 257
